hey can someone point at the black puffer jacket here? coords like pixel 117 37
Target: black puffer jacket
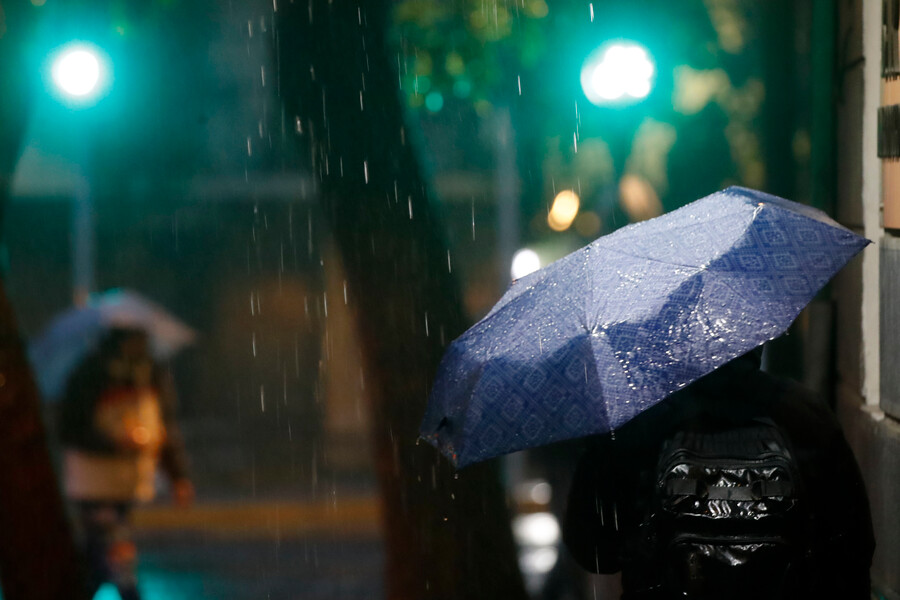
pixel 611 472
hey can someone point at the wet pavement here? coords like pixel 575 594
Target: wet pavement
pixel 272 550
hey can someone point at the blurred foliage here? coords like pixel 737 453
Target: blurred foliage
pixel 465 49
pixel 703 127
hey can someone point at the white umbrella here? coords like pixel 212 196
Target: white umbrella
pixel 75 332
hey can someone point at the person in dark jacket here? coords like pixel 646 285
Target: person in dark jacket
pixel 609 499
pixel 117 426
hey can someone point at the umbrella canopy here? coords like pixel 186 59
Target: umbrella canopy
pixel 76 332
pixel 585 344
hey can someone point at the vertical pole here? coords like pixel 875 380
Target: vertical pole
pixel 506 192
pixel 871 198
pixel 83 226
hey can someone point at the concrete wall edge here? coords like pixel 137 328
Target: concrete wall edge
pixel 875 440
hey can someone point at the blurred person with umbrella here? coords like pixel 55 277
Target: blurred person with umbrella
pixel 117 420
pixel 589 343
pixel 77 332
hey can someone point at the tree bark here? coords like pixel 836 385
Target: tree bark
pixel 38 557
pixel 447 533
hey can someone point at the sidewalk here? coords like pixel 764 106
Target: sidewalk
pixel 358 516
pixel 324 549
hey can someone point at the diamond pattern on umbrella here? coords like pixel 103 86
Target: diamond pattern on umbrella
pixel 587 343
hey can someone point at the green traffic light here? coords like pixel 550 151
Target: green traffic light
pixel 619 73
pixel 79 73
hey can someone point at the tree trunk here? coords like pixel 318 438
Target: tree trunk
pixel 38 559
pixel 447 534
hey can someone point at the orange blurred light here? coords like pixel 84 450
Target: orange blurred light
pixel 140 435
pixel 639 200
pixel 564 210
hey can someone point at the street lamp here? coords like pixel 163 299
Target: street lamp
pixel 79 73
pixel 618 73
pixel 79 76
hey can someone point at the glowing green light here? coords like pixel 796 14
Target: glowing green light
pixel 434 101
pixel 618 73
pixel 79 73
pixel 462 88
pixel 423 84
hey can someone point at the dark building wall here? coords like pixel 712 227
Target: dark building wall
pixel 863 308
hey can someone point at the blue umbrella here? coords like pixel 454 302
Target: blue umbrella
pixel 587 343
pixel 76 332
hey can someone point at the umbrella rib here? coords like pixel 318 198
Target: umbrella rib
pixel 534 289
pixel 588 308
pixel 603 406
pixel 652 259
pixel 493 315
pixel 737 295
pixel 725 282
pixel 613 237
pixel 702 314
